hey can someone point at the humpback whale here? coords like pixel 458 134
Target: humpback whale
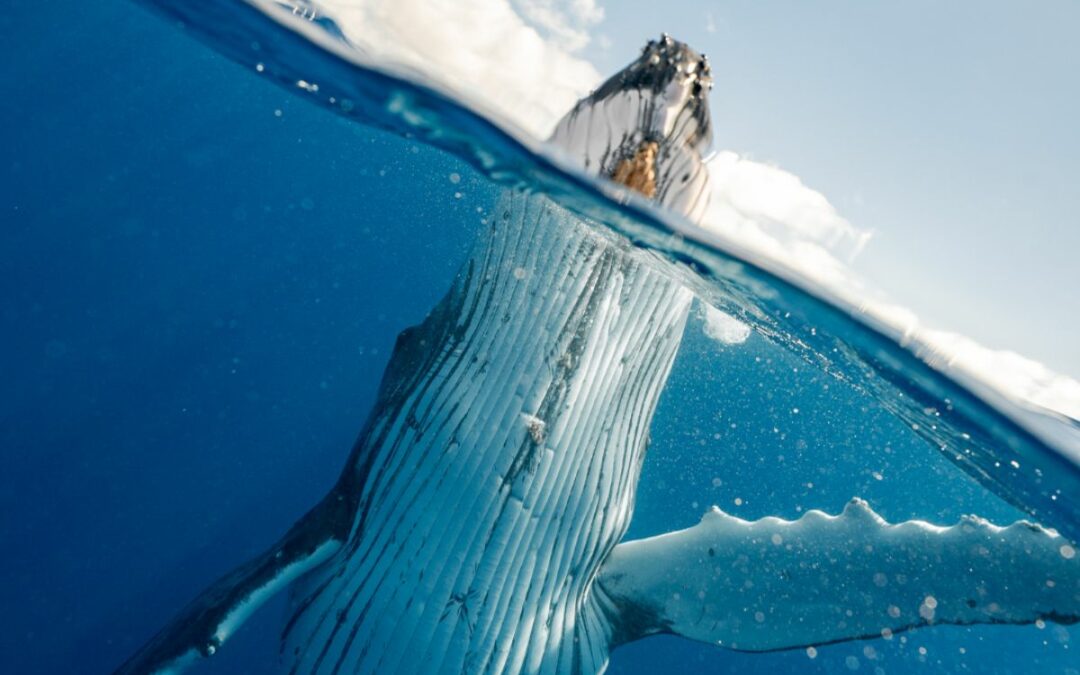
pixel 478 524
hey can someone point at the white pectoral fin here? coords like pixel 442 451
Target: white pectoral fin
pixel 776 584
pixel 210 619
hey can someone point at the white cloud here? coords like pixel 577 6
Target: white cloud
pixel 1003 370
pixel 518 65
pixel 778 203
pixel 566 22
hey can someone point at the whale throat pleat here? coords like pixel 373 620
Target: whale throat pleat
pixel 498 469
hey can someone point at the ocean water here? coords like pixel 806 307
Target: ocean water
pixel 204 275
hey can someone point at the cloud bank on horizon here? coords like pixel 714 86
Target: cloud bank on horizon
pixel 520 60
pixel 515 58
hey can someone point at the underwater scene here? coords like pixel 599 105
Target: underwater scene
pixel 333 345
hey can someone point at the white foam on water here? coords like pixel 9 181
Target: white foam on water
pixel 723 327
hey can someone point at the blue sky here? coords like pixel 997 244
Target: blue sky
pixel 949 131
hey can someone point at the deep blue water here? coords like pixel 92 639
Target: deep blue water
pixel 202 279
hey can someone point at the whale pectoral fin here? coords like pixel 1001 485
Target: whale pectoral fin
pixel 775 584
pixel 208 621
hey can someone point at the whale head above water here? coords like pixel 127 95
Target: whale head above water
pixel 648 127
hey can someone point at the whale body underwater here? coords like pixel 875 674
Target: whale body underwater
pixel 478 524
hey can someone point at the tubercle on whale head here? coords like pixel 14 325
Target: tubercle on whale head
pixel 680 79
pixel 648 126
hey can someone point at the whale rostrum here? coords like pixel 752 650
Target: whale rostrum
pixel 477 526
